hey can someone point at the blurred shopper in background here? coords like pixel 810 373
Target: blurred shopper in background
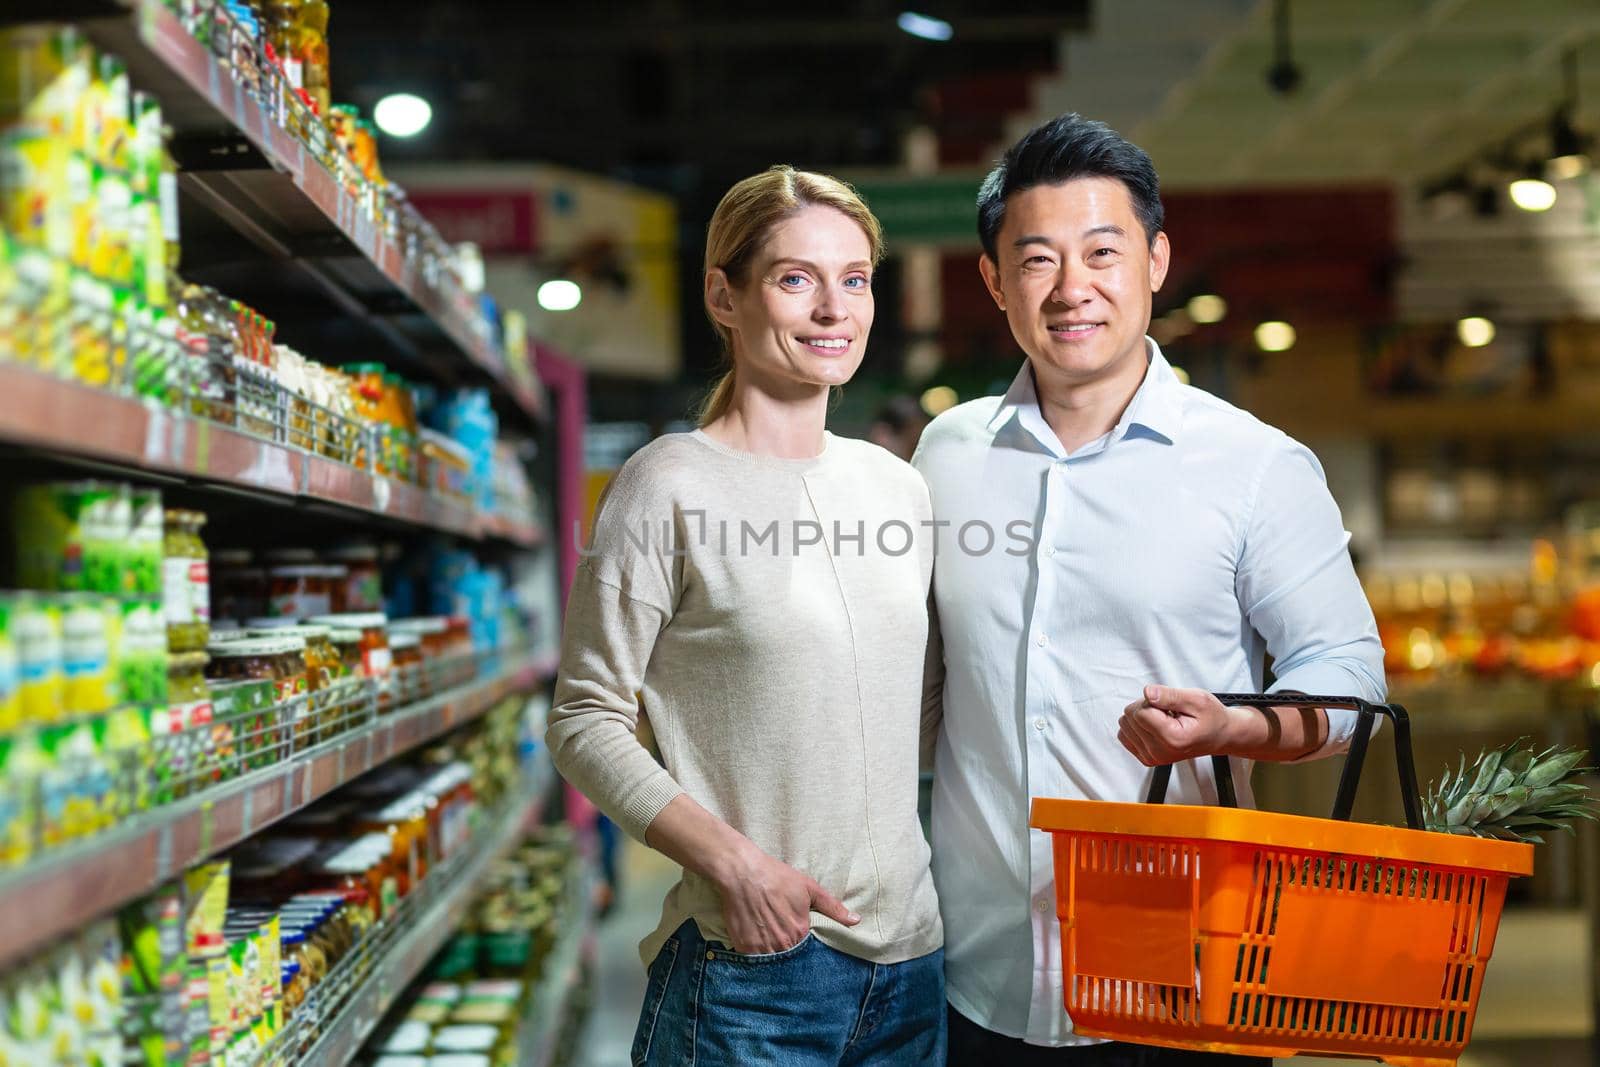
pixel 1171 541
pixel 898 425
pixel 740 580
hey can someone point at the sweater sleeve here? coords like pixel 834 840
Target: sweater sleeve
pixel 606 645
pixel 621 600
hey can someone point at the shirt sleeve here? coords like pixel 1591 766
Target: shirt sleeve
pixel 1298 588
pixel 932 689
pixel 621 600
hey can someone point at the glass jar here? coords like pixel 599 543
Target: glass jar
pixel 185 581
pixel 293 980
pixel 362 587
pixel 184 748
pixel 376 659
pixel 347 646
pixel 410 682
pixel 299 592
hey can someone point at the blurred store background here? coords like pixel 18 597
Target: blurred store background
pixel 1385 223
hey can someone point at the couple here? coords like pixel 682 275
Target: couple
pixel 1104 546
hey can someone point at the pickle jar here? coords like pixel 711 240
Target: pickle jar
pixel 185 581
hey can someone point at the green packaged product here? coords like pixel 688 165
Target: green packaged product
pixel 10 677
pixel 144 553
pixel 142 657
pixel 21 763
pixel 74 537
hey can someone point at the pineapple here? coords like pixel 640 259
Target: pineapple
pixel 1511 794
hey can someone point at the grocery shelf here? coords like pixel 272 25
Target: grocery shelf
pixel 44 412
pixel 246 170
pixel 430 916
pixel 66 887
pixel 552 998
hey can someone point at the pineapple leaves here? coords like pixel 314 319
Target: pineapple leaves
pixel 1513 793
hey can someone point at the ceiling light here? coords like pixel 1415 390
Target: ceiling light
pixel 1207 308
pixel 926 27
pixel 559 295
pixel 1565 168
pixel 1475 331
pixel 1532 194
pixel 939 399
pixel 402 114
pixel 1275 336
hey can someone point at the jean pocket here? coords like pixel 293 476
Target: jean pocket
pixel 722 952
pixel 654 994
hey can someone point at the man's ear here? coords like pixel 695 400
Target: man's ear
pixel 991 279
pixel 1160 257
pixel 719 297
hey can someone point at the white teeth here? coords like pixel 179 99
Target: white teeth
pixel 836 342
pixel 1077 328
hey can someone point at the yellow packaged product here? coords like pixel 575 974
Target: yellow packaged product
pixel 36 630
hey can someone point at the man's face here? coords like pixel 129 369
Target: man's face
pixel 1075 277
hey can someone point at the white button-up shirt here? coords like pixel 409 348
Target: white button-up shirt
pixel 1179 548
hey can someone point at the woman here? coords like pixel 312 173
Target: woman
pixel 757 585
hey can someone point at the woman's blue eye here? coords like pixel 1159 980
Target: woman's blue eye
pixel 792 279
pixel 858 281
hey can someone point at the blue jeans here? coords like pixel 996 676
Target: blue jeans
pixel 807 1006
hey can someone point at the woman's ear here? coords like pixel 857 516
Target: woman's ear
pixel 719 297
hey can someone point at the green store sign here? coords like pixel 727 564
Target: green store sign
pixel 926 209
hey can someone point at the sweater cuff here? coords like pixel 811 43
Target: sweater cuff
pixel 641 809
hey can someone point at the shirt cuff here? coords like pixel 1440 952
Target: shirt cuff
pixel 1328 680
pixel 641 809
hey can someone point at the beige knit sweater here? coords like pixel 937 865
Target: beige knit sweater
pixel 771 616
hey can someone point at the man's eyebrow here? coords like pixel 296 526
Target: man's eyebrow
pixel 1039 239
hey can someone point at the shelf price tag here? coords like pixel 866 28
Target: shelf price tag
pixel 382 493
pixel 156 436
pixel 207 829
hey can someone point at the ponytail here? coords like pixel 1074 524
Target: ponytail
pixel 719 400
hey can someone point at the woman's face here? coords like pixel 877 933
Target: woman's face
pixel 801 319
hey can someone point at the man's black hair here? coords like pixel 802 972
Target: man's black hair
pixel 1067 147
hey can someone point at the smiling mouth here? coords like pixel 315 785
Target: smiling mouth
pixel 1074 331
pixel 828 345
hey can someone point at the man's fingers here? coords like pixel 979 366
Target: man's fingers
pixel 1135 744
pixel 827 904
pixel 1171 699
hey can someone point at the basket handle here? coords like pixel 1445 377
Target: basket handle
pixel 1344 802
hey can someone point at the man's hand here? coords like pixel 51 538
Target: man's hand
pixel 1167 725
pixel 768 904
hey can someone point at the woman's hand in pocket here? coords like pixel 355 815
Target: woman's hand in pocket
pixel 768 904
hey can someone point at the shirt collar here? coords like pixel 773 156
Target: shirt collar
pixel 1157 406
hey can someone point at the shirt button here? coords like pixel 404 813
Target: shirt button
pixel 1042 640
pixel 1049 550
pixel 1039 723
pixel 1041 907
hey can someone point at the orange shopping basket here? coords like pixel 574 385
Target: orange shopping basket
pixel 1227 930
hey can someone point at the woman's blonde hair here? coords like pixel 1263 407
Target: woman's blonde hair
pixel 743 221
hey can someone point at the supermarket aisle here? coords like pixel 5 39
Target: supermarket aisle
pixel 608 1035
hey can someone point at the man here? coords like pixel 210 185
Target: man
pixel 1113 536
